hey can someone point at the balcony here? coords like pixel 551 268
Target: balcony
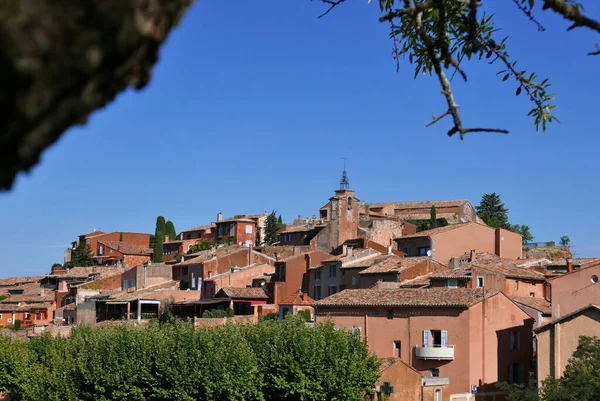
pixel 436 352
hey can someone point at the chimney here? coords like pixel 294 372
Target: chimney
pixel 389 249
pixel 219 216
pixel 556 312
pixel 348 251
pixel 166 238
pixel 344 249
pixel 569 265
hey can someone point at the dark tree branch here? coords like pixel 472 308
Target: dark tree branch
pixel 396 50
pixel 332 5
pixel 572 14
pixel 527 12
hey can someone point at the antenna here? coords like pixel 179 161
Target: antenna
pixel 344 183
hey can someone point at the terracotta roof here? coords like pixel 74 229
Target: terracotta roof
pixel 510 271
pixel 298 298
pixel 421 204
pixel 417 282
pixel 245 219
pixel 357 253
pixel 242 269
pixel 560 275
pixel 11 281
pixel 539 304
pixel 93 234
pixel 96 271
pixel 125 248
pixel 149 293
pixel 298 229
pixel 577 262
pixel 426 297
pixel 302 255
pixel 567 316
pixel 30 298
pixel 362 262
pixel 533 262
pixel 24 308
pixel 204 256
pixel 385 363
pixel 436 231
pixel 392 263
pixel 425 216
pixel 200 228
pixel 244 292
pixel 463 272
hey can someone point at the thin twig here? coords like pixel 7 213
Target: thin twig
pixel 332 5
pixel 396 51
pixel 527 12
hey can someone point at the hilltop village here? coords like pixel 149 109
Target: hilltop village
pixel 450 310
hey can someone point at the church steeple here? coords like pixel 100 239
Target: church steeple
pixel 344 183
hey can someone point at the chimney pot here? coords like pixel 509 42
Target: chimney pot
pixel 219 216
pixel 569 265
pixel 389 249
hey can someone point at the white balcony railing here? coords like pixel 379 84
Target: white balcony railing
pixel 435 352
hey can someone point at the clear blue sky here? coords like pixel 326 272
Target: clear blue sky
pixel 254 103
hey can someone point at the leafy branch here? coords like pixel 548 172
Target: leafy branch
pixel 437 35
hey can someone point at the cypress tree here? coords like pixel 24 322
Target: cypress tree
pixel 121 237
pixel 433 219
pixel 170 230
pixel 160 226
pixel 158 247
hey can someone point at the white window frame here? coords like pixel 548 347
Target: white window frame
pixel 248 229
pixel 482 280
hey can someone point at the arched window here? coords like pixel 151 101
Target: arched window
pixel 349 203
pixel 437 396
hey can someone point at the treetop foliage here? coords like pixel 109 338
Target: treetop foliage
pixel 271 360
pixel 440 36
pixel 495 214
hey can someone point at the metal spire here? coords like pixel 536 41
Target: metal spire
pixel 344 183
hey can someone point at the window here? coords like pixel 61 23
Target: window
pixel 353 280
pixel 331 290
pixel 423 250
pixel 452 283
pixel 531 294
pixel 397 349
pixel 281 272
pixel 232 230
pixel 184 271
pixel 515 373
pixel 390 313
pixel 515 341
pixel 27 316
pixel 193 283
pixel 166 250
pixel 287 238
pixel 331 270
pixel 189 236
pixel 317 274
pixel 100 250
pixel 437 396
pixel 516 285
pixel 219 231
pixel 132 283
pixel 479 282
pixel 124 285
pixel 435 338
pixel 248 229
pixel 434 372
pixel 406 251
pixel 317 293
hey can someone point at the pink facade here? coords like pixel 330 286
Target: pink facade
pixel 574 290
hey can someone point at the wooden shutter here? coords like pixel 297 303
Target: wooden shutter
pixel 426 337
pixel 521 377
pixel 444 338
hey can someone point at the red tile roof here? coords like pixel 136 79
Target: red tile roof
pixel 30 298
pixel 567 316
pixel 148 293
pixel 244 292
pixel 125 248
pixel 407 297
pixel 436 231
pixel 200 228
pixel 298 298
pixel 393 263
pixel 539 304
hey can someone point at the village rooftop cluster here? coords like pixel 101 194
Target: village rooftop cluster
pixel 450 311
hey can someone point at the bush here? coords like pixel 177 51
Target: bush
pixel 217 313
pixel 305 314
pixel 172 361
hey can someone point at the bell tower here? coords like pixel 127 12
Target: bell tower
pixel 343 213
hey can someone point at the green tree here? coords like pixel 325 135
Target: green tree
pixel 492 211
pixel 170 230
pixel 158 247
pixel 433 218
pixel 81 256
pixel 201 246
pixel 272 225
pixel 565 240
pixel 521 392
pixel 160 226
pixel 524 230
pixel 442 36
pixel 121 237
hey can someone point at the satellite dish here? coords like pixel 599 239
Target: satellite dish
pixel 429 253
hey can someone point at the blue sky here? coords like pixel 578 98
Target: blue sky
pixel 254 103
